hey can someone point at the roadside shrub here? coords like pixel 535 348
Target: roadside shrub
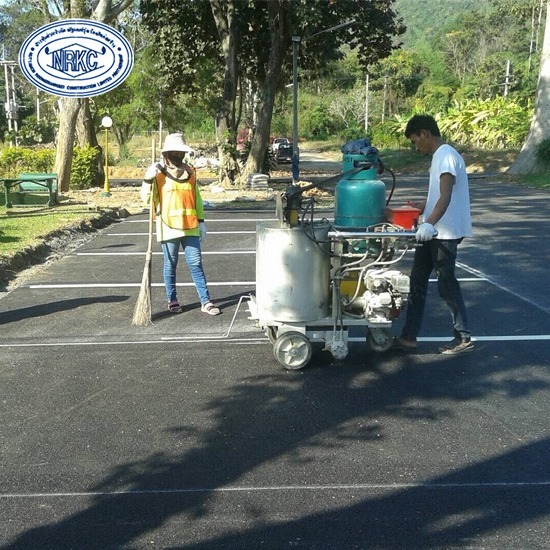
pixel 34 131
pixel 492 123
pixel 84 169
pixel 15 160
pixel 389 134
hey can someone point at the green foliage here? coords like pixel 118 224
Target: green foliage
pixel 32 132
pixel 84 168
pixel 389 134
pixel 543 152
pixel 15 160
pixel 494 124
pixel 317 122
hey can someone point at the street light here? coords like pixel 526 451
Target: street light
pixel 106 122
pixel 295 45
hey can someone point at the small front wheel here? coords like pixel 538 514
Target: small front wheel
pixel 292 350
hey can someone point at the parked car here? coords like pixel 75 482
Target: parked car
pixel 283 153
pixel 277 142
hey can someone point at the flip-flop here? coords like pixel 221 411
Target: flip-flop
pixel 211 309
pixel 174 307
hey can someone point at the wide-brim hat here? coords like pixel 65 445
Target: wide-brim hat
pixel 175 142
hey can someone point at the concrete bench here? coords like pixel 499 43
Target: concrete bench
pixel 30 183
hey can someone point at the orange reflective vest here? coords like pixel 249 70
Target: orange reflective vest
pixel 176 201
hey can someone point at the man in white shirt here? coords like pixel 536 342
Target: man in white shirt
pixel 446 221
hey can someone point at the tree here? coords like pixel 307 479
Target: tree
pixel 526 161
pixel 259 35
pixel 69 107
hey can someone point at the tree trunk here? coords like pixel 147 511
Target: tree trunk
pixel 68 112
pixel 526 161
pixel 279 31
pixel 226 131
pixel 69 106
pixel 86 135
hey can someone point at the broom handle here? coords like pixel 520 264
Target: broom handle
pixel 151 211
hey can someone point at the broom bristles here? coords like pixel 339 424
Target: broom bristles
pixel 142 311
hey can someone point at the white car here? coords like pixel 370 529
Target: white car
pixel 277 142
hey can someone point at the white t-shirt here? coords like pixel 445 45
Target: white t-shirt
pixel 456 222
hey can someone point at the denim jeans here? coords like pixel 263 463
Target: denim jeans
pixel 192 250
pixel 438 255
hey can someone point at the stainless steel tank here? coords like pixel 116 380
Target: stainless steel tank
pixel 292 273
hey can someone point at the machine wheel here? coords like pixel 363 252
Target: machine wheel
pixel 271 333
pixel 383 340
pixel 292 350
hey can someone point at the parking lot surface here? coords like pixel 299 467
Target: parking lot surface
pixel 188 434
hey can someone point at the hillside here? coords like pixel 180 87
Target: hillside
pixel 422 17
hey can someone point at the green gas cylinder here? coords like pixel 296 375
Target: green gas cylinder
pixel 360 199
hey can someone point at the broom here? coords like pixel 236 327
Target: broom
pixel 142 311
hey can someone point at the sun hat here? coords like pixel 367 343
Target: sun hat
pixel 175 142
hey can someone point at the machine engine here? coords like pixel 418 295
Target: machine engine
pixel 385 295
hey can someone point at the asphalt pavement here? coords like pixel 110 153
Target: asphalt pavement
pixel 188 434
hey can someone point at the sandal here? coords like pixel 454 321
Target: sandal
pixel 211 309
pixel 457 345
pixel 174 307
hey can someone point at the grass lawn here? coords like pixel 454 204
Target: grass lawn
pixel 21 228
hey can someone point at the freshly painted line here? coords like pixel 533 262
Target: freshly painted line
pixel 210 233
pixel 503 288
pixel 464 279
pixel 252 489
pixel 239 342
pixel 210 220
pixel 524 338
pixel 253 341
pixel 133 285
pixel 203 252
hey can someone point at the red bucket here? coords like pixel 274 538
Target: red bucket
pixel 403 216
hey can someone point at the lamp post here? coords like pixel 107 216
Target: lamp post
pixel 295 45
pixel 106 122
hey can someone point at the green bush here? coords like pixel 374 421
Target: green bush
pixel 492 123
pixel 15 160
pixel 84 169
pixel 389 134
pixel 33 132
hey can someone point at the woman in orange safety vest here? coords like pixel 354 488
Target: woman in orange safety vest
pixel 179 215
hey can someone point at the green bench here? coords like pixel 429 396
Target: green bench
pixel 30 183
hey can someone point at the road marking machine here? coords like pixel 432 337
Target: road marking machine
pixel 316 279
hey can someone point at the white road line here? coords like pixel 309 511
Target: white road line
pixel 503 288
pixel 210 220
pixel 247 341
pixel 515 338
pixel 203 252
pixel 134 285
pixel 293 488
pixel 236 342
pixel 210 233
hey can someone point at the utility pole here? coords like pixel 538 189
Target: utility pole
pixel 507 79
pixel 366 103
pixel 384 97
pixel 10 106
